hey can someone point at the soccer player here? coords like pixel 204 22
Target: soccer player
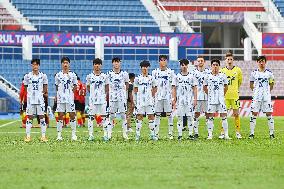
pixel 186 95
pixel 200 73
pixel 235 78
pixel 79 100
pixel 36 85
pixel 118 87
pixel 216 86
pixel 23 103
pixel 144 94
pixel 261 83
pixel 97 86
pixel 65 83
pixel 130 101
pixel 164 77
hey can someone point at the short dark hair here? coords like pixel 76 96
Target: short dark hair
pixel 228 54
pixel 163 56
pixel 131 75
pixel 97 61
pixel 145 63
pixel 65 58
pixel 200 56
pixel 115 59
pixel 35 60
pixel 260 58
pixel 215 60
pixel 183 62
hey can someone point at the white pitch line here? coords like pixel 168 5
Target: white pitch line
pixel 7 124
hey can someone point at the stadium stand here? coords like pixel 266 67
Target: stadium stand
pixel 7 21
pixel 280 6
pixel 85 15
pixel 212 5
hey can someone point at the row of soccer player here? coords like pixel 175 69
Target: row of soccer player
pixel 202 90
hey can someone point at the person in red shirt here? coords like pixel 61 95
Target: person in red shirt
pixel 23 104
pixel 82 101
pixel 79 100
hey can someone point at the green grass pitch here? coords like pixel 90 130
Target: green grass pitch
pixel 244 163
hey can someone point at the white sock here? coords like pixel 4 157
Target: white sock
pixel 270 124
pixel 171 124
pixel 110 125
pixel 210 126
pixel 180 126
pixel 73 127
pixel 195 125
pixel 43 127
pixel 190 125
pixel 157 124
pixel 91 125
pixel 138 126
pixel 124 123
pixel 28 127
pixel 59 126
pixel 252 124
pixel 152 127
pixel 105 126
pixel 225 126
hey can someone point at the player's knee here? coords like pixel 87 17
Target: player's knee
pixel 139 117
pixel 268 114
pixel 254 113
pixel 72 116
pixel 236 114
pixel 197 114
pixel 151 117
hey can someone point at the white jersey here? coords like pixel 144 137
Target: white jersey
pixel 117 87
pixel 200 76
pixel 34 85
pixel 215 85
pixel 164 81
pixel 97 85
pixel 65 83
pixel 261 80
pixel 145 86
pixel 184 87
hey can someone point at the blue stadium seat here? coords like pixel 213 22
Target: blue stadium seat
pixel 128 9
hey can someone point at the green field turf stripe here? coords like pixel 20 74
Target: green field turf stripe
pixel 9 123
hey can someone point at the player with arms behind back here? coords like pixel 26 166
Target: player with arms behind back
pixel 186 95
pixel 200 73
pixel 144 93
pixel 164 77
pixel 65 83
pixel 216 86
pixel 97 85
pixel 118 87
pixel 35 83
pixel 261 83
pixel 235 78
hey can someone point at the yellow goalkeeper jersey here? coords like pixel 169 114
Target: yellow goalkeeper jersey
pixel 235 78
